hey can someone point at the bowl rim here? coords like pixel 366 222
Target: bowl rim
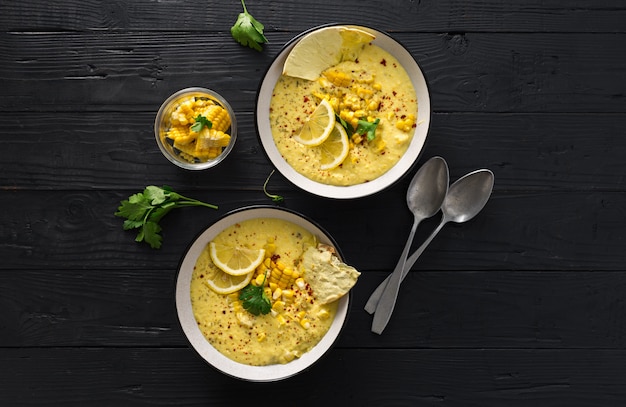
pixel 159 118
pixel 189 326
pixel 386 180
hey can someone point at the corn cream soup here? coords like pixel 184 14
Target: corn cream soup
pixel 375 86
pixel 296 322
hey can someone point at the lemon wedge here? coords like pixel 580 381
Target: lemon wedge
pixel 335 149
pixel 223 283
pixel 318 126
pixel 323 48
pixel 235 260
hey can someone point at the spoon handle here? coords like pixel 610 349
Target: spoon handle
pixel 395 278
pixel 372 302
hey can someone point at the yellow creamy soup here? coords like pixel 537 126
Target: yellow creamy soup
pixel 297 322
pixel 375 86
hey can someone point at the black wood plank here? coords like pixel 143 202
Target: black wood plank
pixel 522 231
pixel 450 377
pixel 117 150
pixel 476 72
pixel 435 310
pixel 278 15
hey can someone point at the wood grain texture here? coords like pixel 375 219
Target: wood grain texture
pixel 474 72
pixel 117 150
pixel 522 306
pixel 588 233
pixel 449 377
pixel 393 15
pixel 495 309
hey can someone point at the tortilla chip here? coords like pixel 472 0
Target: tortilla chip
pixel 329 278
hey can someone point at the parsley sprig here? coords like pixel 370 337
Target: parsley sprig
pixel 200 122
pixel 248 31
pixel 144 210
pixel 254 299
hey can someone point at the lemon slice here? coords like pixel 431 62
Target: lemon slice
pixel 323 48
pixel 235 260
pixel 335 149
pixel 223 283
pixel 318 126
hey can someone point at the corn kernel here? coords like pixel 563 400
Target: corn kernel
pixel 305 323
pixel 300 283
pixel 287 295
pixel 277 294
pixel 278 305
pixel 261 337
pixel 281 320
pixel 258 281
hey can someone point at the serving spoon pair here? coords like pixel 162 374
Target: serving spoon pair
pixel 428 193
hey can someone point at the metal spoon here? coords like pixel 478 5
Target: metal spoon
pixel 465 199
pixel 424 197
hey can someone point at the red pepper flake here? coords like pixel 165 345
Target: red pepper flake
pixel 306 99
pixel 394 93
pixel 383 62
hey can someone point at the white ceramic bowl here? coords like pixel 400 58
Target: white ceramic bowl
pixel 190 326
pixel 355 191
pixel 161 124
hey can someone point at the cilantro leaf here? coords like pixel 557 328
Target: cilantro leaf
pixel 365 127
pixel 345 125
pixel 200 122
pixel 254 299
pixel 144 210
pixel 248 31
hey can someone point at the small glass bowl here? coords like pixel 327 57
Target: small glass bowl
pixel 162 125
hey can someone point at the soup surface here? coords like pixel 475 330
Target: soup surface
pixel 375 86
pixel 297 321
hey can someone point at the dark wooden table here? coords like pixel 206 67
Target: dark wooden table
pixel 523 306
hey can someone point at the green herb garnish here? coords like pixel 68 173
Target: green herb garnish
pixel 254 299
pixel 364 127
pixel 201 121
pixel 273 197
pixel 345 125
pixel 144 210
pixel 248 31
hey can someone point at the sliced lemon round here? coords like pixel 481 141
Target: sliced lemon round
pixel 335 149
pixel 235 260
pixel 318 126
pixel 223 283
pixel 323 48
